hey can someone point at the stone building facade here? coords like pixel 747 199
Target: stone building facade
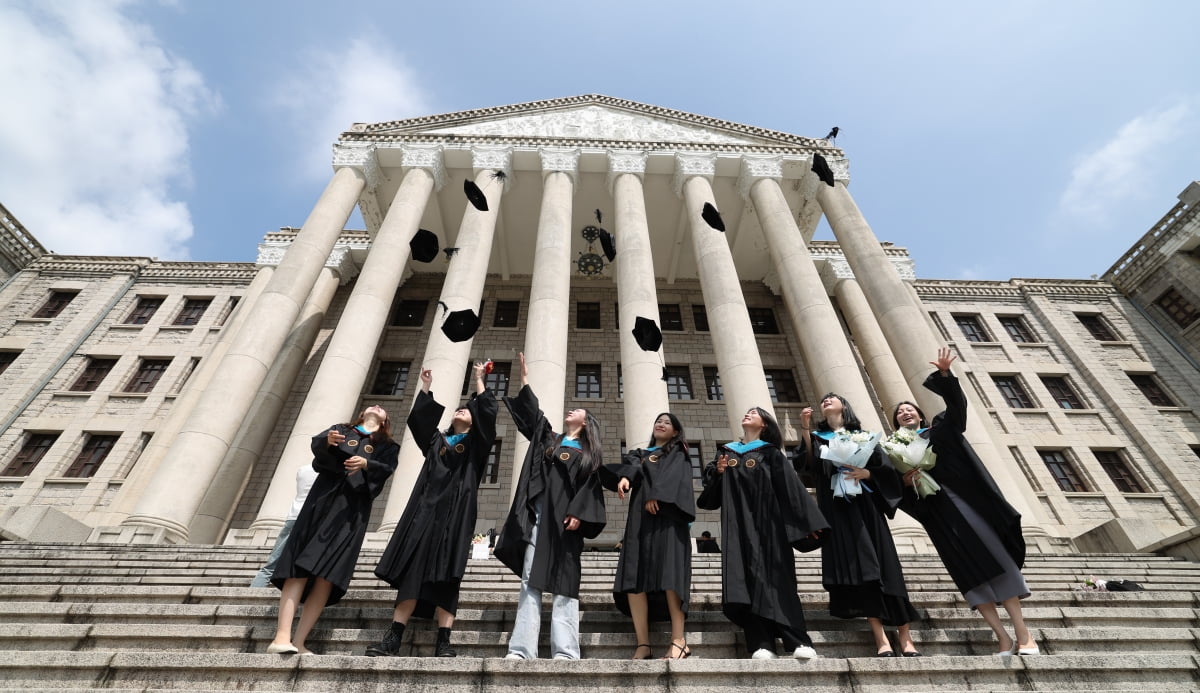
pixel 173 401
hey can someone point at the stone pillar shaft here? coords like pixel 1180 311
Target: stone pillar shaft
pixel 873 348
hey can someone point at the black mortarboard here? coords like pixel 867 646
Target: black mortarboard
pixel 424 246
pixel 647 334
pixel 821 168
pixel 475 195
pixel 712 217
pixel 608 245
pixel 460 325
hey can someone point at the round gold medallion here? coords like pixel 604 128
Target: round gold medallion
pixel 653 458
pixel 750 464
pixel 352 443
pixel 460 447
pixel 368 448
pixel 564 456
pixel 733 462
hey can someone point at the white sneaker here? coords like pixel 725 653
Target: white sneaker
pixel 763 654
pixel 805 652
pixel 562 656
pixel 513 655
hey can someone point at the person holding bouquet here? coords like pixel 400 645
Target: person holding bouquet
pixel 857 489
pixel 426 558
pixel 654 573
pixel 972 527
pixel 765 513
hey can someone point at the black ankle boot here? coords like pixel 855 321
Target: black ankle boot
pixel 443 648
pixel 390 645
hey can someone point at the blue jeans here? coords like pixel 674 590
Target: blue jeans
pixel 263 578
pixel 564 618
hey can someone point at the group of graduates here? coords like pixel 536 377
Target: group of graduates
pixel 766 513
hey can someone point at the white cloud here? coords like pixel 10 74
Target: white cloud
pixel 330 91
pixel 94 132
pixel 1119 170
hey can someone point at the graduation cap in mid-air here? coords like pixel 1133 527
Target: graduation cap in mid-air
pixel 712 217
pixel 424 245
pixel 475 195
pixel 821 168
pixel 646 334
pixel 608 245
pixel 460 325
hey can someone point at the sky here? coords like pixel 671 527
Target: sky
pixel 993 140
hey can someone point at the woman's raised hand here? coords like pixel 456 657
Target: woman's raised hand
pixel 426 379
pixel 944 359
pixel 333 438
pixel 722 463
pixel 524 371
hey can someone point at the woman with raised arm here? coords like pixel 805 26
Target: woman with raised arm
pixel 765 513
pixel 974 529
pixel 558 502
pixel 860 567
pixel 352 461
pixel 654 573
pixel 427 555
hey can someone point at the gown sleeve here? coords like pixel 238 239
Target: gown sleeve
pixel 671 486
pixel 324 461
pixel 800 515
pixel 710 497
pixel 423 420
pixel 630 467
pixel 526 413
pixel 948 387
pixel 588 506
pixel 483 407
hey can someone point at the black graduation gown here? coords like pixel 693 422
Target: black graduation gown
pixel 332 524
pixel 656 551
pixel 765 513
pixel 427 554
pixel 549 478
pixel 959 469
pixel 860 567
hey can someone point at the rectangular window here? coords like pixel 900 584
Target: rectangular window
pixel 762 320
pixel 587 381
pixel 1120 473
pixel 696 458
pixel 700 317
pixel 620 382
pixel 193 309
pixel 782 385
pixel 679 382
pixel 496 381
pixel 507 313
pixel 410 313
pixel 972 328
pixel 712 384
pixel 148 373
pixel 93 373
pixel 1062 470
pixel 587 316
pixel 7 358
pixel 144 310
pixel 391 379
pixel 670 317
pixel 31 453
pixel 1175 305
pixel 1017 329
pixel 1097 327
pixel 232 306
pixel 55 304
pixel 491 470
pixel 91 456
pixel 1010 388
pixel 1154 392
pixel 1062 392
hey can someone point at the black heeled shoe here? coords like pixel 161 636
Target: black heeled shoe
pixel 649 652
pixel 684 651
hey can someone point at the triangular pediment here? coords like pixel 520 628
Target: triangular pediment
pixel 588 118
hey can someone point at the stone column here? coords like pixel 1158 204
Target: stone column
pixel 177 488
pixel 873 348
pixel 338 383
pixel 645 393
pixel 215 512
pixel 461 290
pixel 827 353
pixel 736 349
pixel 904 325
pixel 549 295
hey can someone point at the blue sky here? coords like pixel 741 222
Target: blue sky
pixel 994 140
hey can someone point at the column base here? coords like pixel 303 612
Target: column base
pixel 144 526
pixel 121 534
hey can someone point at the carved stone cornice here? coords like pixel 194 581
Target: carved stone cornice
pixel 755 168
pixel 691 165
pixel 428 157
pixel 561 160
pixel 622 161
pixel 359 156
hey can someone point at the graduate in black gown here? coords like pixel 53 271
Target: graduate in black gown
pixel 353 461
pixel 558 503
pixel 860 567
pixel 654 573
pixel 765 513
pixel 427 555
pixel 975 531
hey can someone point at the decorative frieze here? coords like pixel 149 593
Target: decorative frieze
pixel 360 156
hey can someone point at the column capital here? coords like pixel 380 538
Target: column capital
pixel 690 165
pixel 270 254
pixel 359 156
pixel 560 160
pixel 341 261
pixel 626 161
pixel 494 158
pixel 428 157
pixel 756 168
pixel 840 166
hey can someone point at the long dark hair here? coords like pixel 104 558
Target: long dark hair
pixel 678 439
pixel 592 455
pixel 896 422
pixel 770 432
pixel 849 419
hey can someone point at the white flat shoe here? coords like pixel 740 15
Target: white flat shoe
pixel 281 649
pixel 805 652
pixel 763 654
pixel 1029 651
pixel 513 655
pixel 1009 652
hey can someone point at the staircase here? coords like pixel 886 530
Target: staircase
pixel 150 618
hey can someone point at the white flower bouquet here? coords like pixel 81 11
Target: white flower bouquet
pixel 909 451
pixel 848 449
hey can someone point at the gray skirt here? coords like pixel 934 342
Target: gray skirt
pixel 1006 585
